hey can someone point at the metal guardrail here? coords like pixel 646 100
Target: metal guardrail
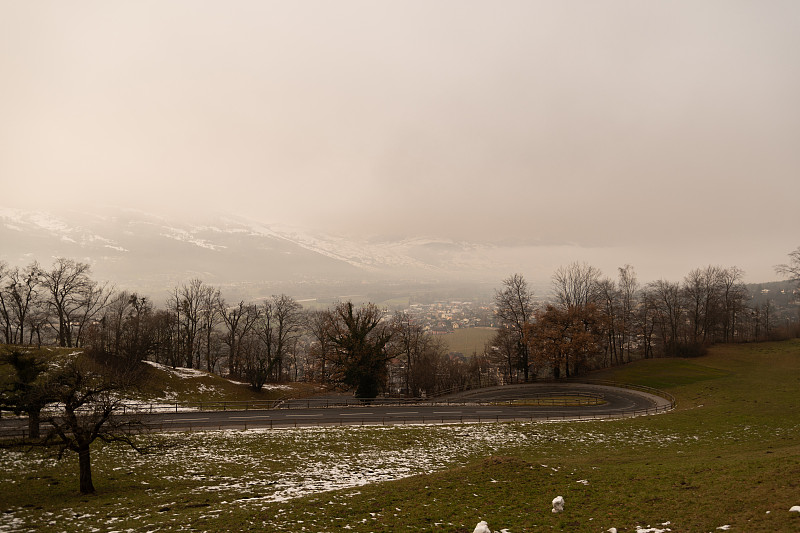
pixel 544 399
pixel 551 399
pixel 363 422
pixel 631 386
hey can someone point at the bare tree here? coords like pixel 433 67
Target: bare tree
pixel 608 297
pixel 515 307
pixel 88 392
pixel 406 344
pixel 186 302
pixel 18 297
pixel 5 312
pixel 792 268
pixel 278 326
pixel 418 352
pixel 503 352
pixel 318 325
pixel 576 285
pixel 287 322
pixel 167 342
pixel 239 322
pixel 70 291
pixel 210 315
pixel 645 320
pixel 765 311
pixel 669 313
pixel 96 298
pixel 138 332
pixel 734 294
pixel 627 286
pixel 701 288
pixel 114 321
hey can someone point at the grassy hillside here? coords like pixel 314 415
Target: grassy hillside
pixel 727 457
pixel 162 384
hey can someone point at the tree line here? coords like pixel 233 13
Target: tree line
pixel 589 321
pixel 592 321
pixel 270 340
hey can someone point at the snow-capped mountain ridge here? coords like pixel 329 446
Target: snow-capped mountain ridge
pixel 130 246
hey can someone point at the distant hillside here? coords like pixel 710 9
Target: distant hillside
pixel 135 249
pixel 145 252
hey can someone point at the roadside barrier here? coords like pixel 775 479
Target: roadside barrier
pixel 551 399
pixel 570 399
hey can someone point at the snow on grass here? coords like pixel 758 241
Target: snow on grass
pixel 649 529
pixel 232 469
pixel 183 373
pixel 265 386
pixel 190 373
pixel 315 460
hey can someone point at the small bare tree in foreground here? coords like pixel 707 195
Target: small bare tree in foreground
pixel 87 391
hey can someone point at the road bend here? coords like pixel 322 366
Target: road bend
pixel 477 406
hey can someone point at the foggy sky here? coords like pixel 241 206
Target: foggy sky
pixel 661 130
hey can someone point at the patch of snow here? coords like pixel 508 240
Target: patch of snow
pixel 266 386
pixel 47 222
pixel 184 236
pixel 181 372
pixel 649 529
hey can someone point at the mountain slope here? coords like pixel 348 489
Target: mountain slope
pixel 138 250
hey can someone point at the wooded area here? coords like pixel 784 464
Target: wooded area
pixel 590 321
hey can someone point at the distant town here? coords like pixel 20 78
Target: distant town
pixel 447 316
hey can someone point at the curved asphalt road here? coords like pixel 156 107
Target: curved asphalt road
pixel 472 406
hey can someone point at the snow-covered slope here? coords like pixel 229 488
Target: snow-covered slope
pixel 134 248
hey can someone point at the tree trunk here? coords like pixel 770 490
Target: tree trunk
pixel 85 470
pixel 33 424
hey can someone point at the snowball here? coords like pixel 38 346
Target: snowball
pixel 558 504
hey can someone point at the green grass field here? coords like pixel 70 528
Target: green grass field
pixel 727 457
pixel 468 340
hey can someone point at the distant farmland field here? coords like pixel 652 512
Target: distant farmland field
pixel 468 340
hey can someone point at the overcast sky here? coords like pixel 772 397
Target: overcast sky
pixel 663 129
